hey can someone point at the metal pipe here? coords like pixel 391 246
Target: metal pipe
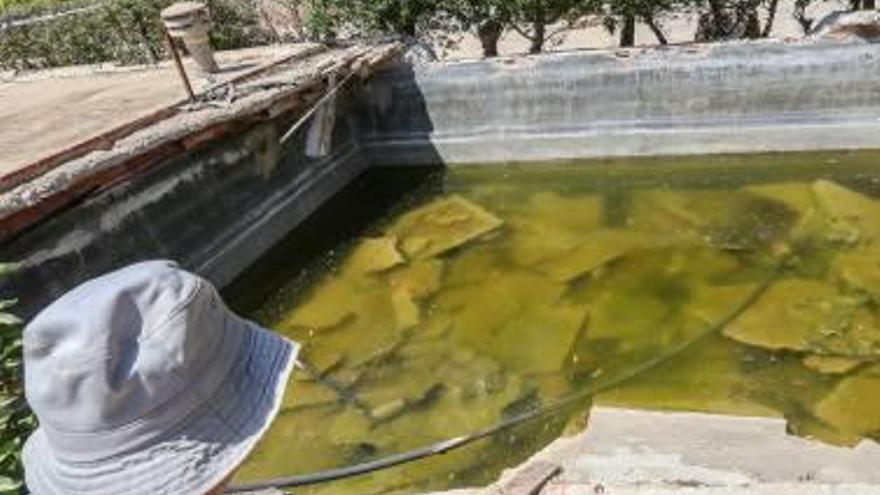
pixel 302 120
pixel 181 71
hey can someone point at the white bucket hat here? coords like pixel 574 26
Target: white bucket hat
pixel 145 383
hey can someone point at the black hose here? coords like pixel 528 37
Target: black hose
pixel 461 441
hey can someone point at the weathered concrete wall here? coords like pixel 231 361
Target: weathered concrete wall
pixel 742 97
pixel 627 452
pixel 219 208
pixel 215 210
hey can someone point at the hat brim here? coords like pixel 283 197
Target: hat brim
pixel 201 452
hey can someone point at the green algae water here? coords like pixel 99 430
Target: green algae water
pixel 488 291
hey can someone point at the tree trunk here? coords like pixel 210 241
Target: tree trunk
pixel 489 33
pixel 408 28
pixel 716 7
pixel 800 15
pixel 805 22
pixel 655 28
pixel 538 36
pixel 753 26
pixel 771 16
pixel 401 20
pixel 628 32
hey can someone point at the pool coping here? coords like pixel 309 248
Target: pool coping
pixel 631 451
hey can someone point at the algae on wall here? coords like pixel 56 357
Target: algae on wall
pixel 489 299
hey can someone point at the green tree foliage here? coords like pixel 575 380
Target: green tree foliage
pixel 488 19
pixel 623 15
pixel 372 17
pixel 127 31
pixel 415 18
pixel 118 31
pixel 16 421
pixel 532 18
pixel 735 19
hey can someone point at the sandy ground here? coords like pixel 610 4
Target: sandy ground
pixel 48 111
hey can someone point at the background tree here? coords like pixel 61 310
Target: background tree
pixel 532 18
pixel 622 15
pixel 735 19
pixel 800 15
pixel 373 17
pixel 487 19
pixel 16 420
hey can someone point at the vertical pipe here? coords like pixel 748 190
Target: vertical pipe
pixel 180 69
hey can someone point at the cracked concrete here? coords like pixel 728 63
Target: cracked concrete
pixel 646 452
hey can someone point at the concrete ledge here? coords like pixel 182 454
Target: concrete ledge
pixel 634 141
pixel 215 210
pixel 213 188
pixel 725 98
pixel 643 452
pixel 290 206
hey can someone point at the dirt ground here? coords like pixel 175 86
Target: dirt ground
pixel 45 112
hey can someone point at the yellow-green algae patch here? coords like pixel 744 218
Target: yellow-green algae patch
pixel 599 248
pixel 514 289
pixel 726 219
pixel 812 316
pixel 373 255
pixel 854 405
pixel 796 196
pixel 419 279
pixel 442 225
pixel 859 269
pixel 832 364
pixel 851 215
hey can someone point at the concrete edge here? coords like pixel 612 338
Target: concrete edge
pixel 228 258
pixel 500 148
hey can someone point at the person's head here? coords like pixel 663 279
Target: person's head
pixel 144 383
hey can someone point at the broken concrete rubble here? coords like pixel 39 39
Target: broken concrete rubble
pixel 645 452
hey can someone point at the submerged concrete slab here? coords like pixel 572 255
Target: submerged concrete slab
pixel 643 452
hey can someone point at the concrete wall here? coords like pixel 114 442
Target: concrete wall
pixel 741 97
pixel 215 211
pixel 219 208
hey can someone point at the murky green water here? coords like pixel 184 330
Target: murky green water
pixel 489 291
